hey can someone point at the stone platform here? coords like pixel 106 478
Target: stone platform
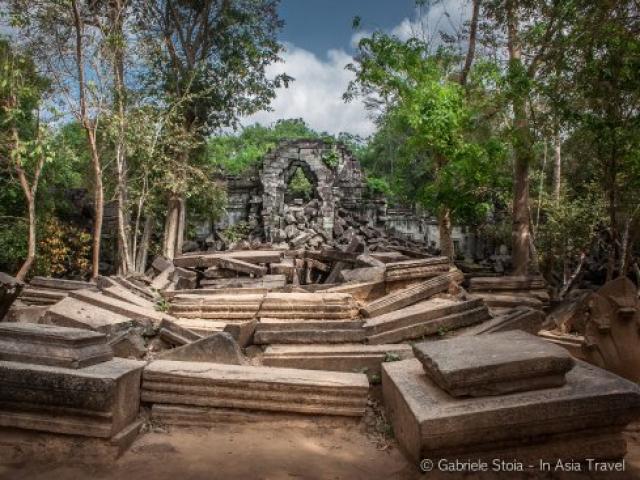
pixel 254 388
pixel 342 357
pixel 493 364
pixel 582 419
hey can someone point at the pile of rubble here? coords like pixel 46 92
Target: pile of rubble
pixel 269 334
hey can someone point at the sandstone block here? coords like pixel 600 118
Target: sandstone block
pixel 215 348
pixel 493 364
pixel 52 345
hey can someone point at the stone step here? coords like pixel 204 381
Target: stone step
pixel 42 296
pixel 522 318
pixel 507 283
pixel 254 388
pixel 432 327
pixel 210 259
pixel 267 282
pixel 59 283
pixel 418 313
pixel 52 345
pixel 494 300
pixel 325 335
pixel 100 400
pixel 409 295
pixel 183 415
pixel 120 293
pixel 281 324
pixel 341 357
pixel 75 313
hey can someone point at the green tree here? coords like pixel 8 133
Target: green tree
pixel 209 59
pixel 423 96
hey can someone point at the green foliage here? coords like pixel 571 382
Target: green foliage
pixel 299 185
pixel 377 185
pixel 331 158
pixel 237 154
pixel 433 134
pixel 391 357
pixel 236 232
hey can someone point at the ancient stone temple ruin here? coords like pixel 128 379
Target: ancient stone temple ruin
pixel 331 206
pixel 323 315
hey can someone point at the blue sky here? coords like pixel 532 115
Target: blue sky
pixel 320 40
pixel 321 25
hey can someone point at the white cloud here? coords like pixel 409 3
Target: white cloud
pixel 445 16
pixel 316 94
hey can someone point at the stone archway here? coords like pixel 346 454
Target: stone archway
pixel 278 166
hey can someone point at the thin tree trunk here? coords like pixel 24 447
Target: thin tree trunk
pixel 30 192
pixel 557 168
pixel 522 151
pixel 473 33
pixel 182 221
pixel 541 187
pixel 124 242
pixel 143 252
pixel 171 227
pixel 89 127
pixel 446 237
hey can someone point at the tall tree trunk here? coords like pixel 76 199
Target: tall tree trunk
pixel 473 33
pixel 124 242
pixel 541 187
pixel 143 251
pixel 557 168
pixel 182 221
pixel 30 192
pixel 171 226
pixel 522 148
pixel 90 129
pixel 445 231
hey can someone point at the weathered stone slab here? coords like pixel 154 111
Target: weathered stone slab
pixel 100 400
pixel 255 388
pixel 175 334
pixel 75 313
pixel 418 313
pixel 507 283
pixel 326 334
pixel 25 313
pixel 201 327
pixel 527 319
pixel 177 295
pixel 494 300
pixel 210 259
pixel 52 345
pixel 242 332
pixel 436 326
pixel 163 279
pixel 266 282
pixel 494 364
pixel 215 348
pixel 136 286
pixel 184 279
pixel 217 307
pixel 133 312
pixel 41 296
pixel 339 357
pixel 410 295
pixel 428 423
pixel 240 266
pixel 120 293
pixel 309 305
pixel 365 274
pixel 59 283
pixel 128 344
pixel 160 264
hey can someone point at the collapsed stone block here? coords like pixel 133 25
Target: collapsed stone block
pixel 52 345
pixel 583 418
pixel 493 364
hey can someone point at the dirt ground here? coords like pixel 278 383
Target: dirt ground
pixel 264 451
pixel 272 451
